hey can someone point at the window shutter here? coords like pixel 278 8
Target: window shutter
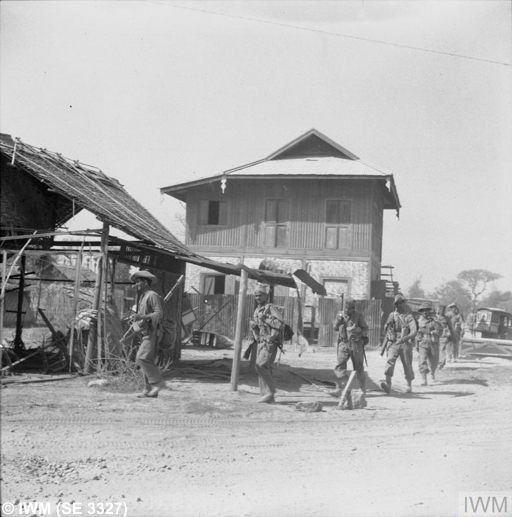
pixel 282 211
pixel 203 212
pixel 331 212
pixel 344 238
pixel 331 240
pixel 223 213
pixel 345 209
pixel 271 211
pixel 270 236
pixel 282 236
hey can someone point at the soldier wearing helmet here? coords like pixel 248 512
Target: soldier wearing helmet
pixel 267 327
pixel 458 328
pixel 401 339
pixel 352 337
pixel 446 338
pixel 427 343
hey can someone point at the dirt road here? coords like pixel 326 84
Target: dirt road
pixel 201 449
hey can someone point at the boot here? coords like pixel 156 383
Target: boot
pixel 409 387
pixel 362 383
pixel 386 385
pixel 336 392
pixel 155 389
pixel 267 399
pixel 424 379
pixel 433 377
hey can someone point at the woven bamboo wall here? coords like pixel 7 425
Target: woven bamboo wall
pixel 218 313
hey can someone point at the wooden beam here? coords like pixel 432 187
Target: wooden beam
pixel 93 332
pixel 21 293
pixel 235 370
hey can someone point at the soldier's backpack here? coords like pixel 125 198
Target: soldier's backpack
pixel 288 333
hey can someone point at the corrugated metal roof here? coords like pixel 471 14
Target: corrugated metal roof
pixel 105 197
pixel 302 157
pixel 321 166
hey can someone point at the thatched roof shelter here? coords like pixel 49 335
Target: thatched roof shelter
pixel 58 188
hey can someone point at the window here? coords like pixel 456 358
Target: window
pixel 213 212
pixel 276 223
pixel 338 217
pixel 214 284
pixel 336 287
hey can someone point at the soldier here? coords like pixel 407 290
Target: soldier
pixel 148 319
pixel 402 329
pixel 471 322
pixel 267 327
pixel 458 328
pixel 427 343
pixel 447 336
pixel 352 337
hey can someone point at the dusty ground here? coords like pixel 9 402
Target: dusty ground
pixel 201 449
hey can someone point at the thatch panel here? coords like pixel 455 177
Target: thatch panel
pixel 27 203
pixel 88 187
pixel 11 308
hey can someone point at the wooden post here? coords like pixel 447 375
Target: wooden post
pixel 93 332
pixel 242 294
pixel 102 350
pixel 19 311
pixel 102 308
pixel 345 391
pixel 2 305
pixel 78 274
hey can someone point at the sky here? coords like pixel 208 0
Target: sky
pixel 156 93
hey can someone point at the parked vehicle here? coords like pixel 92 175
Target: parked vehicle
pixel 493 323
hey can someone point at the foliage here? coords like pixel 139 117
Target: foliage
pixel 476 281
pixel 122 272
pixel 179 225
pixel 499 300
pixel 415 290
pixel 454 292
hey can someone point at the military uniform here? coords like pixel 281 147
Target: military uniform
pixel 446 338
pixel 150 305
pixel 148 320
pixel 268 329
pixel 458 329
pixel 427 340
pixel 401 331
pixel 352 330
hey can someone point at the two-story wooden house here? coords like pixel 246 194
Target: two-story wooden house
pixel 310 205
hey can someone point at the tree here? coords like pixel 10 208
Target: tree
pixel 476 280
pixel 454 292
pixel 499 300
pixel 415 290
pixel 179 224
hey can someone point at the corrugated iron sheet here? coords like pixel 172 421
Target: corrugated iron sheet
pixel 321 166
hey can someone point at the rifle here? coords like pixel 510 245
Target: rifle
pixel 364 355
pixel 384 345
pixel 390 327
pixel 254 342
pixel 247 353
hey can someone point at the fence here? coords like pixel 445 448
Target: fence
pixel 218 313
